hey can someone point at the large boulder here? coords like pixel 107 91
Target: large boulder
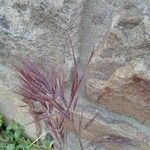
pixel 119 75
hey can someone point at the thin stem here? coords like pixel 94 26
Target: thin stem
pixel 37 139
pixel 78 136
pixel 76 132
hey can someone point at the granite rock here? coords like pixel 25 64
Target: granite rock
pixel 119 76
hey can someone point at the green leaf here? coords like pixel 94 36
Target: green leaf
pixel 46 142
pixel 14 126
pixel 10 147
pixel 18 134
pixel 10 126
pixel 20 147
pixel 1 120
pixel 13 138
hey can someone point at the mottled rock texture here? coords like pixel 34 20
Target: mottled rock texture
pixel 119 76
pixel 118 79
pixel 37 29
pixel 107 124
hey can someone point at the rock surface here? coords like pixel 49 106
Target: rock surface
pixel 107 124
pixel 39 30
pixel 119 74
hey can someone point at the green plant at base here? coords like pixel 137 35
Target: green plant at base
pixel 13 138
